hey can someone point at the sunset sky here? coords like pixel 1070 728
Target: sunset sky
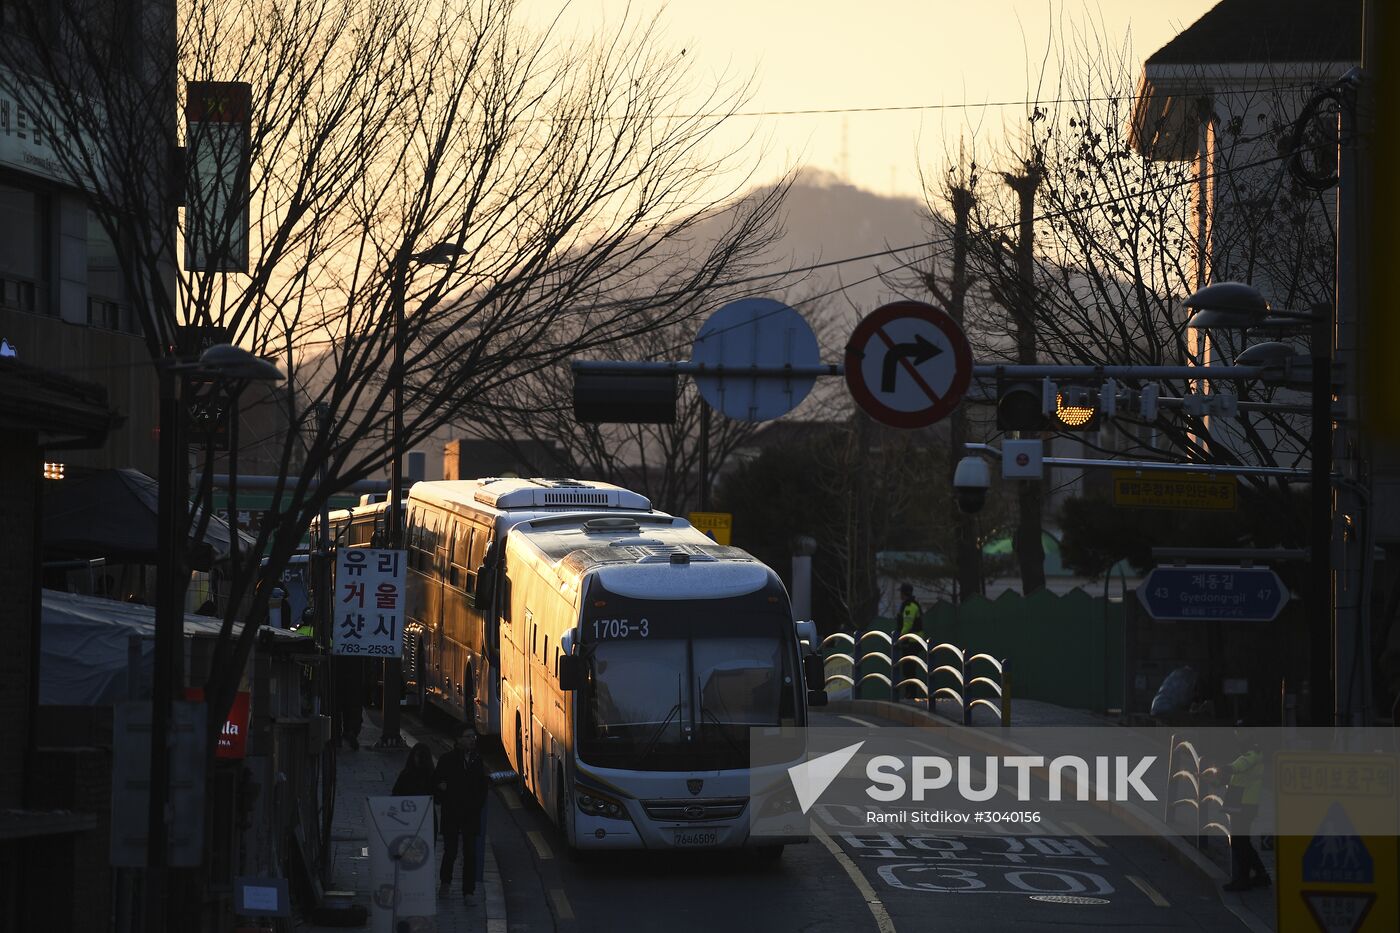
pixel 852 57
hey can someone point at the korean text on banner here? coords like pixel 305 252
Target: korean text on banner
pixel 369 602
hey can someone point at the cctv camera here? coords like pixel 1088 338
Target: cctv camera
pixel 971 481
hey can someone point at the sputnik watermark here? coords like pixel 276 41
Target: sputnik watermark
pixel 1117 778
pixel 1036 780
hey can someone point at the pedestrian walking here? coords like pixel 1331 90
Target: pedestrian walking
pixel 349 700
pixel 416 778
pixel 461 784
pixel 1245 786
pixel 911 622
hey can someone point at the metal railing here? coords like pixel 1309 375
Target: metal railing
pixel 879 669
pixel 1188 769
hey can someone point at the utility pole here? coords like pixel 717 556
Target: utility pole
pixel 966 550
pixel 1352 531
pixel 1030 552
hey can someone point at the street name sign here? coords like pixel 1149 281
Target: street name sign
pixel 908 364
pixel 747 333
pixel 1148 490
pixel 1184 594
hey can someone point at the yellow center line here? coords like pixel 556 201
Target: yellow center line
pixel 541 846
pixel 562 909
pixel 1152 893
pixel 883 923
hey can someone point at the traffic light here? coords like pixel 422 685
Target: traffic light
pixel 1022 404
pixel 1029 406
pixel 625 398
pixel 1076 409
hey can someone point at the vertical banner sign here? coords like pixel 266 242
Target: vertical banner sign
pixel 402 863
pixel 217 131
pixel 369 602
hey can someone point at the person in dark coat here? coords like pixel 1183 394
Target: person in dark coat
pixel 461 784
pixel 349 699
pixel 416 778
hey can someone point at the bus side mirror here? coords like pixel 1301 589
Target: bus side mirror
pixel 814 671
pixel 816 698
pixel 572 673
pixel 485 582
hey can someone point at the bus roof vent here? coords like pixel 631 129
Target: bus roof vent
pixel 575 497
pixel 611 524
pixel 554 493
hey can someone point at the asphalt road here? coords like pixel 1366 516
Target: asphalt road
pixel 962 881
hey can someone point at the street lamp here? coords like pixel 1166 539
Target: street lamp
pixel 219 362
pixel 441 254
pixel 1239 306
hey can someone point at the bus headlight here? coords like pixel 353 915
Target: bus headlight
pixel 596 804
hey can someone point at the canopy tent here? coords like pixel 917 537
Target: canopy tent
pixel 83 658
pixel 112 514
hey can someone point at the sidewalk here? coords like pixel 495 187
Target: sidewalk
pixel 370 772
pixel 1256 908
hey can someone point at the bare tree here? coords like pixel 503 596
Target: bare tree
pixel 518 195
pixel 1119 232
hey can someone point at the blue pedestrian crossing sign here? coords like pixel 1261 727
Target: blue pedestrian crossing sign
pixel 1337 855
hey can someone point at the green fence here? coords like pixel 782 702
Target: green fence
pixel 1064 649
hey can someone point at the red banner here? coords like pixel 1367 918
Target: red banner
pixel 233 738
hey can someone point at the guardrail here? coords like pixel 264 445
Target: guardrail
pixel 1193 775
pixel 878 664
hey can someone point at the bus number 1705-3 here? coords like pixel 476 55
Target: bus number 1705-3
pixel 620 628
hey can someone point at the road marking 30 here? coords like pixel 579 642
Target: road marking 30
pixel 541 847
pixel 883 923
pixel 1152 893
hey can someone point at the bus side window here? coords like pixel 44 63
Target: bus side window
pixel 453 543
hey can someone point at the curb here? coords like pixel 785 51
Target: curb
pixel 1162 835
pixel 495 893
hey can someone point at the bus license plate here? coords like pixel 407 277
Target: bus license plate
pixel 702 837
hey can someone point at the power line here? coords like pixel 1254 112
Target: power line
pixel 911 108
pixel 998 228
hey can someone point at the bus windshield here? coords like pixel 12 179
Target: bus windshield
pixel 677 685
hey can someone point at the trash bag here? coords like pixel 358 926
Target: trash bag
pixel 1176 692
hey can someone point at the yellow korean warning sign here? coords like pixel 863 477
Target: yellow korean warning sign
pixel 1337 818
pixel 714 524
pixel 1158 490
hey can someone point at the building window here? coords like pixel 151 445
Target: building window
pixel 22 250
pixel 108 306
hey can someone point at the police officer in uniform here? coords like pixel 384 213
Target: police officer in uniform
pixel 911 621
